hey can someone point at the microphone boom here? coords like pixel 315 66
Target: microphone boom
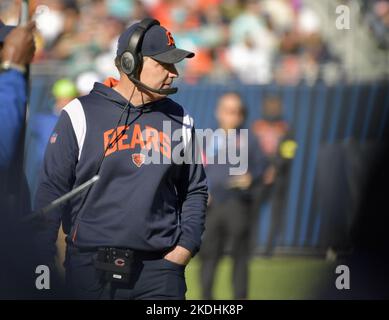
pixel 146 87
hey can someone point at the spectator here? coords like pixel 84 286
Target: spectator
pixel 63 44
pixel 251 64
pixel 252 46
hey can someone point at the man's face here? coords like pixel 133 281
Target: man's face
pixel 272 107
pixel 157 75
pixel 230 112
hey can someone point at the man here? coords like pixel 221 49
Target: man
pixel 17 267
pixel 132 234
pixel 275 140
pixel 16 51
pixel 228 219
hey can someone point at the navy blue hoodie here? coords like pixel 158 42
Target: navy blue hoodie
pixel 149 207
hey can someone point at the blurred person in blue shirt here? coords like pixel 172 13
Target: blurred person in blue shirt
pixel 20 257
pixel 16 51
pixel 17 268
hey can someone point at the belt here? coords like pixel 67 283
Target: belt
pixel 138 254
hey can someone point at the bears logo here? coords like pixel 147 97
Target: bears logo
pixel 138 159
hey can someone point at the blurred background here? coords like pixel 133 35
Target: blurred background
pixel 330 91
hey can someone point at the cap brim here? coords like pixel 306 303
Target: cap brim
pixel 4 30
pixel 173 56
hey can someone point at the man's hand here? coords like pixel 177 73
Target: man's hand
pixel 241 182
pixel 179 255
pixel 19 45
pixel 269 175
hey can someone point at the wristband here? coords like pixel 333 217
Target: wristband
pixel 8 65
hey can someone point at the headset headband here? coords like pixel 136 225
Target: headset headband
pixel 136 38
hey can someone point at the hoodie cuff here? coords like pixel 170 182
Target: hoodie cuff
pixel 189 245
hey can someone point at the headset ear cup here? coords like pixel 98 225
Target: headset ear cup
pixel 127 62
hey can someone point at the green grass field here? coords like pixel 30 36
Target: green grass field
pixel 276 278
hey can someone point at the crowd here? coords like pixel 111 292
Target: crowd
pixel 251 41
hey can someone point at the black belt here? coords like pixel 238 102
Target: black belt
pixel 138 254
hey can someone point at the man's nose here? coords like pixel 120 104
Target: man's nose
pixel 173 73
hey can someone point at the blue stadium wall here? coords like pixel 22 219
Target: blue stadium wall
pixel 319 114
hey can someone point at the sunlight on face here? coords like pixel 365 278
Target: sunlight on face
pixel 157 75
pixel 229 112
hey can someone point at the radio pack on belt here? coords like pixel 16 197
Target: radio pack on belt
pixel 115 263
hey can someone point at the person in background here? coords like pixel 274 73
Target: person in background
pixel 228 218
pixel 16 52
pixel 17 269
pixel 17 49
pixel 275 140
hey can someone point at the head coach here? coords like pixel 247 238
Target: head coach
pixel 132 234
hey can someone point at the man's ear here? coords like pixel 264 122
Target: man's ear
pixel 117 64
pixel 144 60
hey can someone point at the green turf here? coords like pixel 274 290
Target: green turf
pixel 275 278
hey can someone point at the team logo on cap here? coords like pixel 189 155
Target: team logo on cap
pixel 138 159
pixel 170 40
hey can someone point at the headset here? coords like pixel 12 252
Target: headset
pixel 131 59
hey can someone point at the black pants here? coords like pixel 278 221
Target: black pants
pixel 260 194
pixel 226 223
pixel 151 278
pixel 276 193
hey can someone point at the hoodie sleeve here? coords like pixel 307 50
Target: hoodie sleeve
pixel 56 178
pixel 194 194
